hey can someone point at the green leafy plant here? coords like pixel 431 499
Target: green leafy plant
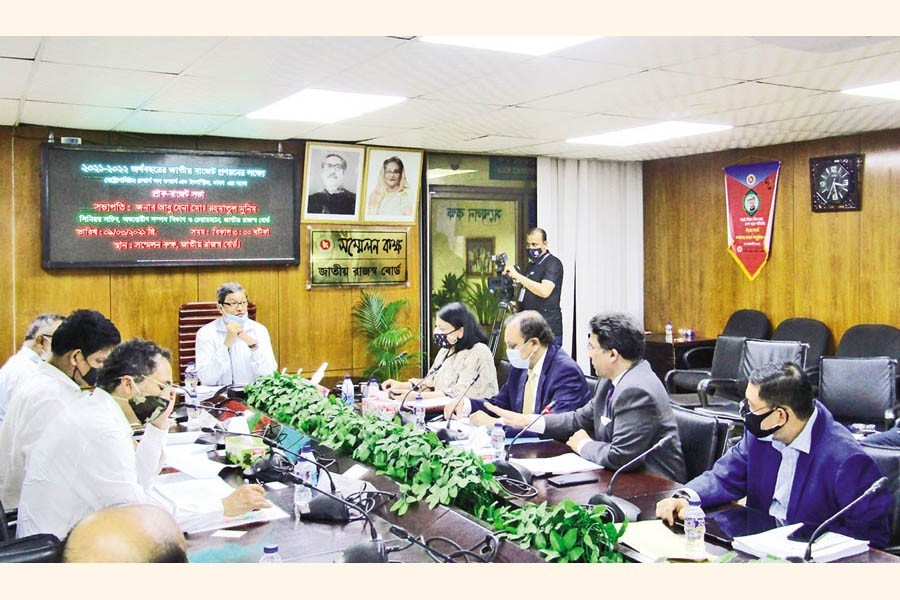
pixel 377 321
pixel 429 472
pixel 482 301
pixel 454 288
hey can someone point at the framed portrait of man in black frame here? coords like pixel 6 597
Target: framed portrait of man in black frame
pixel 332 182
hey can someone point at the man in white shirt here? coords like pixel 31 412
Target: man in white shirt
pixel 23 363
pixel 87 460
pixel 80 345
pixel 233 349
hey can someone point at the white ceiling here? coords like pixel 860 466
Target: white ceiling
pixel 771 90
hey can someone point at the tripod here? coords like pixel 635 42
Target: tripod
pixel 503 307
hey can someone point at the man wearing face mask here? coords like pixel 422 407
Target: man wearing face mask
pixel 87 459
pixel 233 349
pixel 80 345
pixel 794 463
pixel 541 373
pixel 23 364
pixel 542 283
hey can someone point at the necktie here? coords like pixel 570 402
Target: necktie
pixel 529 394
pixel 609 394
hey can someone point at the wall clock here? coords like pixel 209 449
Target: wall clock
pixel 836 182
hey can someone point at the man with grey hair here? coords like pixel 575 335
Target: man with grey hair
pixel 233 349
pixel 334 199
pixel 23 363
pixel 132 533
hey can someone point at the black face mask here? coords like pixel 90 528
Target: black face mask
pixel 147 408
pixel 753 422
pixel 441 341
pixel 90 377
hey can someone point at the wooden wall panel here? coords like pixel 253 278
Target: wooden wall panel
pixel 12 333
pixel 839 268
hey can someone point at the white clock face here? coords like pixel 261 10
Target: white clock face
pixel 834 184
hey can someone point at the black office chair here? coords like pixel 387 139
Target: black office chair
pixel 812 332
pixel 870 340
pixel 702 439
pixel 40 547
pixel 681 384
pixel 859 390
pixel 746 323
pixel 721 397
pixel 888 460
pixel 593 383
pixel 502 371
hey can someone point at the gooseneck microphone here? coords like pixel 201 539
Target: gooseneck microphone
pixel 620 507
pixel 875 487
pixel 446 434
pixel 518 472
pixel 418 385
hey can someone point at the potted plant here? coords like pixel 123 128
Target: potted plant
pixel 377 321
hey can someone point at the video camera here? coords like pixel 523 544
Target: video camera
pixel 502 285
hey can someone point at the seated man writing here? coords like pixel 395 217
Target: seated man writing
pixel 540 373
pixel 629 413
pixel 794 462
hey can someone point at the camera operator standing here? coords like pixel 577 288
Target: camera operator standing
pixel 542 284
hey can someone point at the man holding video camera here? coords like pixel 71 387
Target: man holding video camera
pixel 542 284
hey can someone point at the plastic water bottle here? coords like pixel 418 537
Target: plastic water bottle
pixel 419 412
pixel 695 530
pixel 270 555
pixel 668 332
pixel 498 440
pixel 190 387
pixel 304 471
pixel 347 391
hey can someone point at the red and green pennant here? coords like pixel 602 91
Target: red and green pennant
pixel 750 202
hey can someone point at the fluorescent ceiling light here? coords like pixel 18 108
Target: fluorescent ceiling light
pixel 651 133
pixel 441 173
pixel 890 90
pixel 520 44
pixel 323 106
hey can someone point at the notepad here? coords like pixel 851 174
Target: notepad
pixel 831 546
pixel 656 541
pixel 556 465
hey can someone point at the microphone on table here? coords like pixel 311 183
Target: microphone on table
pixel 875 487
pixel 518 472
pixel 415 388
pixel 320 507
pixel 446 434
pixel 620 507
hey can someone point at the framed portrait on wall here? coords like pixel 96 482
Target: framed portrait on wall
pixel 332 182
pixel 393 179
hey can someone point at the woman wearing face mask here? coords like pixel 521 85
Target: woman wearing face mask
pixel 463 354
pixel 233 349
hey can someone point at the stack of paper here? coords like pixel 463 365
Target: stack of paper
pixel 656 541
pixel 831 546
pixel 557 465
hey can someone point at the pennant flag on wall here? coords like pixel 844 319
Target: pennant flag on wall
pixel 750 203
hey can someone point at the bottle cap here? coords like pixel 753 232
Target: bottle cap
pixel 693 502
pixel 270 549
pixel 346 376
pixel 307 448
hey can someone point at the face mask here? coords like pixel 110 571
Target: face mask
pixel 516 360
pixel 753 422
pixel 441 341
pixel 90 377
pixel 242 320
pixel 147 408
pixel 535 253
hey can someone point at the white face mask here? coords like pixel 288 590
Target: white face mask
pixel 242 319
pixel 516 360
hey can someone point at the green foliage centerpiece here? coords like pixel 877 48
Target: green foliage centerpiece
pixel 377 321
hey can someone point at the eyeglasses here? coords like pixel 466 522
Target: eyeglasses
pixel 234 305
pixel 163 386
pixel 744 406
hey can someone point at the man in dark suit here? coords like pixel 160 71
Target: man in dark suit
pixel 630 411
pixel 540 373
pixel 334 199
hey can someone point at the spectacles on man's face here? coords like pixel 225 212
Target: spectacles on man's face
pixel 164 387
pixel 233 305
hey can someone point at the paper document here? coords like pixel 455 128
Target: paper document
pixel 830 546
pixel 557 465
pixel 192 460
pixel 183 437
pixel 656 541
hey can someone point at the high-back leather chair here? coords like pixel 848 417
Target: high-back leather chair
pixel 726 364
pixel 748 323
pixel 593 383
pixel 191 317
pixel 502 371
pixel 888 460
pixel 859 390
pixel 702 439
pixel 37 548
pixel 870 340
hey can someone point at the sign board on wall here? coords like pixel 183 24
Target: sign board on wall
pixel 358 256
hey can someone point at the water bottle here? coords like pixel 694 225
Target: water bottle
pixel 695 530
pixel 668 332
pixel 190 388
pixel 270 555
pixel 347 391
pixel 498 440
pixel 367 400
pixel 419 412
pixel 304 471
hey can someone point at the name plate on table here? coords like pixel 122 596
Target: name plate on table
pixel 358 256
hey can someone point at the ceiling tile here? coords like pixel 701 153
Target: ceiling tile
pixel 8 111
pixel 146 121
pixel 14 76
pixel 263 129
pixel 416 112
pixel 855 73
pixel 340 132
pixel 95 86
pixel 216 97
pixel 159 54
pixel 19 47
pixel 70 115
pixel 653 52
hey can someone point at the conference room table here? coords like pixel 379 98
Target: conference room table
pixel 307 541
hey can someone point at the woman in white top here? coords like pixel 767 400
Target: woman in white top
pixel 463 354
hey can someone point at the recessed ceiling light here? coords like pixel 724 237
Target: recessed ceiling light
pixel 651 133
pixel 890 90
pixel 519 44
pixel 323 106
